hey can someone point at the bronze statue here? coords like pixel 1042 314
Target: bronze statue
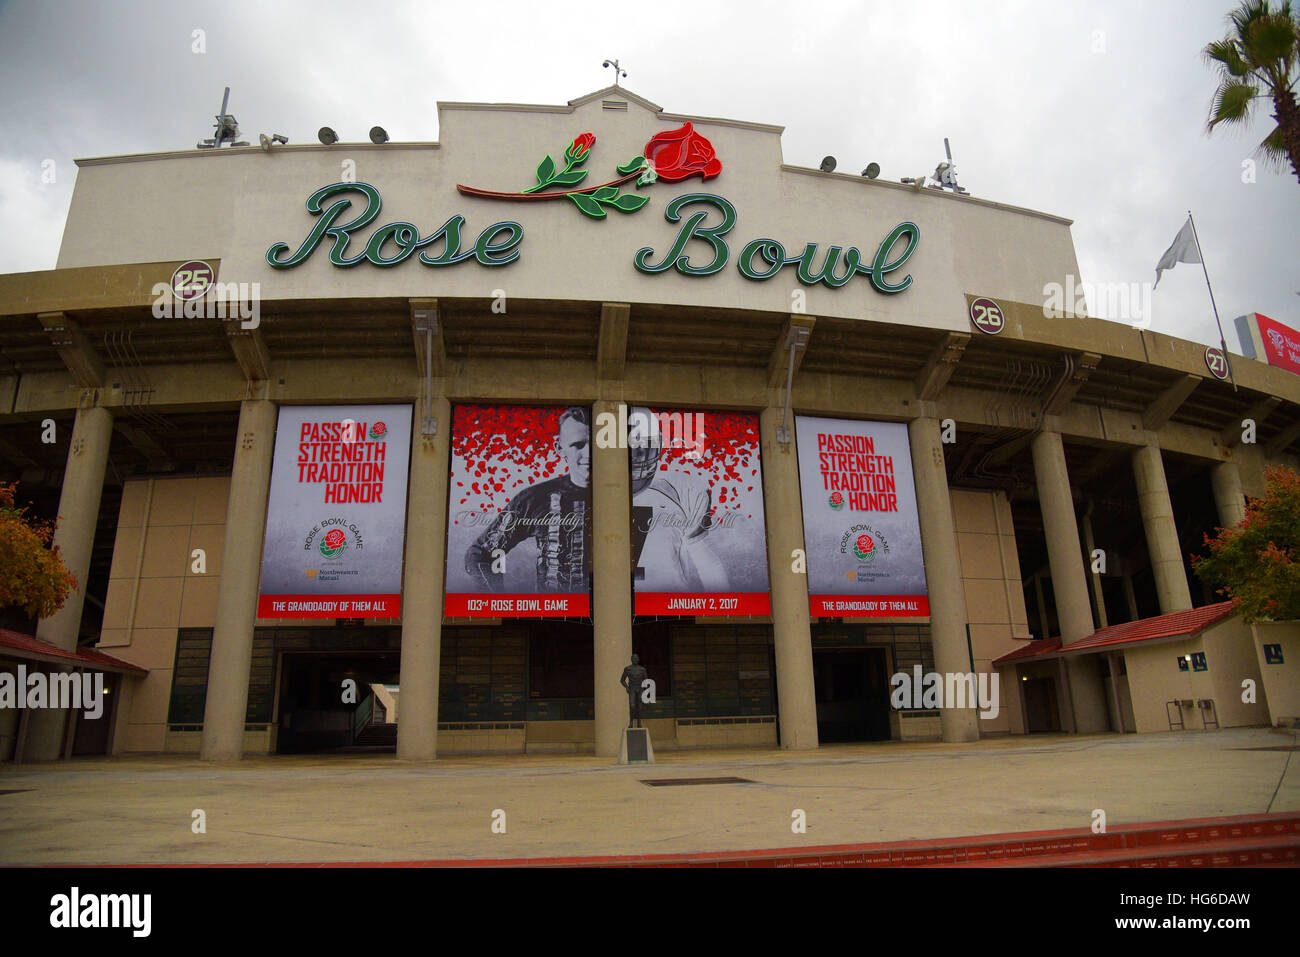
pixel 632 679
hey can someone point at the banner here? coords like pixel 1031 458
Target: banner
pixel 860 525
pixel 519 504
pixel 336 514
pixel 1281 344
pixel 699 546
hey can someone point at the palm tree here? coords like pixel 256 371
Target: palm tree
pixel 1258 59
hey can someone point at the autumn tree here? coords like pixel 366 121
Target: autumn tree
pixel 1258 561
pixel 32 574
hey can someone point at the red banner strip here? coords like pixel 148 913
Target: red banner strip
pixel 869 606
pixel 491 605
pixel 703 603
pixel 329 606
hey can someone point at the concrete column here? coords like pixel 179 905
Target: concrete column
pixel 942 570
pixel 241 564
pixel 83 484
pixel 1229 499
pixel 791 627
pixel 1094 578
pixel 1069 583
pixel 1162 534
pixel 1044 630
pixel 422 587
pixel 611 568
pixel 1130 596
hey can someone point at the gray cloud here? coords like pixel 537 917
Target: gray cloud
pixel 1094 111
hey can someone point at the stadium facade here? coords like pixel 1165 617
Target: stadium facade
pixel 450 430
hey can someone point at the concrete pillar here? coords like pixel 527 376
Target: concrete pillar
pixel 942 570
pixel 1229 499
pixel 1161 532
pixel 791 626
pixel 1069 583
pixel 611 569
pixel 241 564
pixel 83 483
pixel 422 587
pixel 1130 596
pixel 1094 578
pixel 1044 630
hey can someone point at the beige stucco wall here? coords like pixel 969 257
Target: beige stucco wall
pixel 1154 678
pixel 1280 683
pixel 237 203
pixel 995 600
pixel 153 590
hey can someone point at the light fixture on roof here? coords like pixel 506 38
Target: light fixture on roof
pixel 945 174
pixel 327 136
pixel 227 129
pixel 916 182
pixel 268 141
pixel 378 135
pixel 828 164
pixel 872 170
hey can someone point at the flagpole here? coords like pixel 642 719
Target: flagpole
pixel 1222 344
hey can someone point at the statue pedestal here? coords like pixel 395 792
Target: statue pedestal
pixel 636 747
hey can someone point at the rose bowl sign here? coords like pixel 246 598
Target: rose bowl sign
pixel 669 155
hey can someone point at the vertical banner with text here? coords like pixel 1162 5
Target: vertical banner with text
pixel 699 546
pixel 860 523
pixel 519 504
pixel 336 515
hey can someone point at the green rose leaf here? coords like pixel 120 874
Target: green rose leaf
pixel 588 205
pixel 605 193
pixel 632 165
pixel 629 203
pixel 571 178
pixel 545 170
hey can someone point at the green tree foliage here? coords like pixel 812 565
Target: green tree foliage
pixel 32 575
pixel 1258 60
pixel 1258 562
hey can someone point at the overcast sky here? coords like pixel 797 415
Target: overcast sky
pixel 1090 110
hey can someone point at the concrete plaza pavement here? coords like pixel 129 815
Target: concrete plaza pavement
pixel 139 810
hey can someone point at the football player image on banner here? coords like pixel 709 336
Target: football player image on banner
pixel 860 524
pixel 699 545
pixel 519 538
pixel 336 512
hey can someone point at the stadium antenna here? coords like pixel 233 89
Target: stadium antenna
pixel 945 174
pixel 227 129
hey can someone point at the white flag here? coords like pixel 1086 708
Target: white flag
pixel 1183 250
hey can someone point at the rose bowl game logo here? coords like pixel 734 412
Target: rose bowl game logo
pixel 836 501
pixel 333 543
pixel 864 547
pixel 378 431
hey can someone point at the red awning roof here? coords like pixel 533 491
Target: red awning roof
pixel 14 644
pixel 1178 624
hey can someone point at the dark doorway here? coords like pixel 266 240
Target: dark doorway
pixel 1041 711
pixel 91 734
pixel 314 715
pixel 852 691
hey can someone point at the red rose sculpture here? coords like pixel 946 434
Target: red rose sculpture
pixel 580 147
pixel 677 154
